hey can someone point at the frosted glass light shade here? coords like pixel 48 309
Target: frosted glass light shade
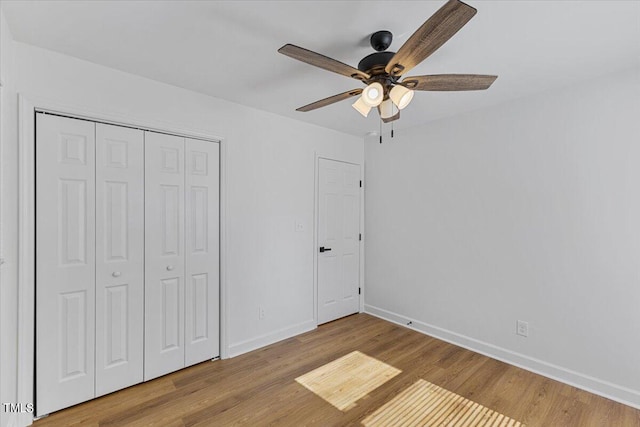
pixel 361 107
pixel 401 96
pixel 386 109
pixel 373 94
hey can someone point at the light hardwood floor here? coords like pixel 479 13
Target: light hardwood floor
pixel 260 388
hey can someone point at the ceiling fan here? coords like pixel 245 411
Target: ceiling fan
pixel 381 71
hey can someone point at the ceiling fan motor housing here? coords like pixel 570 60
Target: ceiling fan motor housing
pixel 375 63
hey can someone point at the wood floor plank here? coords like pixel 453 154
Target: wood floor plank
pixel 259 388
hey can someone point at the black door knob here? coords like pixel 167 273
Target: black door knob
pixel 323 249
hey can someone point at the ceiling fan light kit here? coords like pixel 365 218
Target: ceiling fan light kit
pixel 373 94
pixel 401 96
pixel 362 107
pixel 386 109
pixel 381 71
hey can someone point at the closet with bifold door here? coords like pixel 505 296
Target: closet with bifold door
pixel 127 257
pixel 181 199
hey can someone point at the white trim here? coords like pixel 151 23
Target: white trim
pixel 361 242
pixel 591 384
pixel 316 217
pixel 224 339
pixel 117 118
pixel 271 338
pixel 316 189
pixel 26 255
pixel 27 106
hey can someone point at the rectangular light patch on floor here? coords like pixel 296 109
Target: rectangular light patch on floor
pixel 426 404
pixel 348 379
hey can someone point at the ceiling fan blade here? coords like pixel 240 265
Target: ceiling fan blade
pixel 449 82
pixel 430 36
pixel 330 100
pixel 321 61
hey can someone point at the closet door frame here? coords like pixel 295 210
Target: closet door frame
pixel 28 105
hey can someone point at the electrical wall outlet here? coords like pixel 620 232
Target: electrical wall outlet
pixel 299 226
pixel 522 328
pixel 261 313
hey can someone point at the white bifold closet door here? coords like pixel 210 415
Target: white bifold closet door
pixel 181 252
pixel 127 257
pixel 65 256
pixel 119 257
pixel 89 255
pixel 202 301
pixel 164 254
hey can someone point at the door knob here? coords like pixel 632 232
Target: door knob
pixel 323 249
pixel 169 267
pixel 116 274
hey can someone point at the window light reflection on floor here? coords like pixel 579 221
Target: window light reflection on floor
pixel 348 379
pixel 426 404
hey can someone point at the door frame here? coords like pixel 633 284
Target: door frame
pixel 27 108
pixel 316 219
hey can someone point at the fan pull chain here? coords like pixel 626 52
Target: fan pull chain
pixel 392 108
pixel 381 131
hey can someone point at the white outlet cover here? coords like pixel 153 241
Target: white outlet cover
pixel 522 328
pixel 299 227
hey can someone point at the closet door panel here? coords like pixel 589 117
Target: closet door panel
pixel 164 254
pixel 119 257
pixel 65 262
pixel 202 251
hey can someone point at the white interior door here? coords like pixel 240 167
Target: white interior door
pixel 202 287
pixel 65 262
pixel 119 257
pixel 338 239
pixel 164 254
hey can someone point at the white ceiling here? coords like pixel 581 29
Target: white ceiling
pixel 228 49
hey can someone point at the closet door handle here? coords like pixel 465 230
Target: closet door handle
pixel 169 267
pixel 116 274
pixel 323 249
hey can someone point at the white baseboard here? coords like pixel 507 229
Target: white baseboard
pixel 270 338
pixel 597 386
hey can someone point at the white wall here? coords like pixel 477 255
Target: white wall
pixel 8 219
pixel 529 210
pixel 270 182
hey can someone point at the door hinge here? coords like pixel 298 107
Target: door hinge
pixel 360 183
pixel 360 236
pixel 359 291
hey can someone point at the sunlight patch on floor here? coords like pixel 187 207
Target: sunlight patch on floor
pixel 426 404
pixel 348 379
